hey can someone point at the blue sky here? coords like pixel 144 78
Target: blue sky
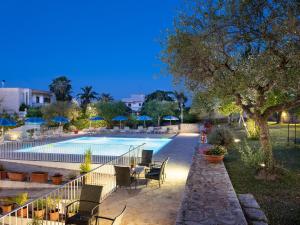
pixel 111 45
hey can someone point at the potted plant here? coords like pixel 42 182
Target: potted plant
pixel 39 177
pixel 35 221
pixel 72 176
pixel 57 178
pixel 85 167
pixel 73 129
pixel 215 154
pixel 39 209
pixel 3 173
pixel 73 209
pixel 7 205
pixel 21 200
pixel 52 204
pixel 16 176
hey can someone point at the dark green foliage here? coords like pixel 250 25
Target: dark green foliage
pixel 61 87
pixel 221 136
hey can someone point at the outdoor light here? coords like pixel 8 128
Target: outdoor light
pixel 236 140
pixel 262 165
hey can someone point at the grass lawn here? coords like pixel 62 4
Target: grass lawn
pixel 279 199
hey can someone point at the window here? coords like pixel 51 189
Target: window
pixel 37 99
pixel 47 100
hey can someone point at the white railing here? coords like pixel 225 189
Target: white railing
pixel 103 175
pixel 49 151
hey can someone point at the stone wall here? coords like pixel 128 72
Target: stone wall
pixel 189 128
pixel 209 196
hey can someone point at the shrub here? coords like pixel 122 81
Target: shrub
pixel 86 165
pixel 251 157
pixel 21 199
pixel 72 128
pixel 81 124
pixel 216 150
pixel 253 130
pixel 221 136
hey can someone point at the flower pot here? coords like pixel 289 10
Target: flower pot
pixel 214 158
pixel 22 212
pixel 39 213
pixel 54 215
pixel 16 176
pixel 75 131
pixel 57 180
pixel 39 177
pixel 3 175
pixel 6 208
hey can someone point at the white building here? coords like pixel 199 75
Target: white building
pixel 12 98
pixel 135 102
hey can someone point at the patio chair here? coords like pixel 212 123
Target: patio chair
pixel 116 129
pixel 124 178
pixel 89 203
pixel 115 221
pixel 125 130
pixel 157 172
pixel 146 158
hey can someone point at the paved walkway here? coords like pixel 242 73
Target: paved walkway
pixel 152 205
pixel 209 196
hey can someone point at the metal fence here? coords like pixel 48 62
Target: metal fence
pixel 103 175
pixel 48 151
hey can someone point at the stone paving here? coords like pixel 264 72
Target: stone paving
pixel 153 205
pixel 209 196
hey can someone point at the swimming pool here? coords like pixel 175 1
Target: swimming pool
pixel 99 145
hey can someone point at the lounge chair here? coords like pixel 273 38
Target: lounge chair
pixel 115 129
pixel 89 203
pixel 124 178
pixel 125 130
pixel 163 130
pixel 146 158
pixel 150 130
pixel 157 172
pixel 115 221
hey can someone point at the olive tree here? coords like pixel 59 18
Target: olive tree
pixel 242 51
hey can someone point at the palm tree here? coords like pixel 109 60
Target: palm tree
pixel 86 96
pixel 181 99
pixel 160 96
pixel 61 87
pixel 105 97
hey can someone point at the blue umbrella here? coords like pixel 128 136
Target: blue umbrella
pixel 34 121
pixel 60 119
pixel 96 118
pixel 144 118
pixel 120 119
pixel 170 118
pixel 6 123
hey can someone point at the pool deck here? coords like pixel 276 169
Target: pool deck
pixel 153 205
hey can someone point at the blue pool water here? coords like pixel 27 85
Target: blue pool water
pixel 99 145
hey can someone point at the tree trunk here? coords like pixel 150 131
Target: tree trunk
pixel 265 142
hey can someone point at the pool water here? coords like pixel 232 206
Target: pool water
pixel 99 145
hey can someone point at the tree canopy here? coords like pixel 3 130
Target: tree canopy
pixel 86 96
pixel 241 51
pixel 61 87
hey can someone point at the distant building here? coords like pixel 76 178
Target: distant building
pixel 12 98
pixel 135 102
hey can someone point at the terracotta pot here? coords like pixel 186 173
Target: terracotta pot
pixel 3 175
pixel 54 215
pixel 16 176
pixel 39 177
pixel 214 158
pixel 57 180
pixel 6 208
pixel 75 131
pixel 39 213
pixel 22 212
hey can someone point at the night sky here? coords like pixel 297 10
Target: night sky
pixel 111 45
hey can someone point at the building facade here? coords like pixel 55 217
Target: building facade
pixel 12 98
pixel 134 102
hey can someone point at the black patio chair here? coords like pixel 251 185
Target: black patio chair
pixel 115 221
pixel 124 177
pixel 146 158
pixel 88 209
pixel 157 172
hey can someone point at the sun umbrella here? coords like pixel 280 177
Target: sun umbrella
pixel 34 121
pixel 96 118
pixel 4 122
pixel 144 118
pixel 60 119
pixel 170 118
pixel 120 119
